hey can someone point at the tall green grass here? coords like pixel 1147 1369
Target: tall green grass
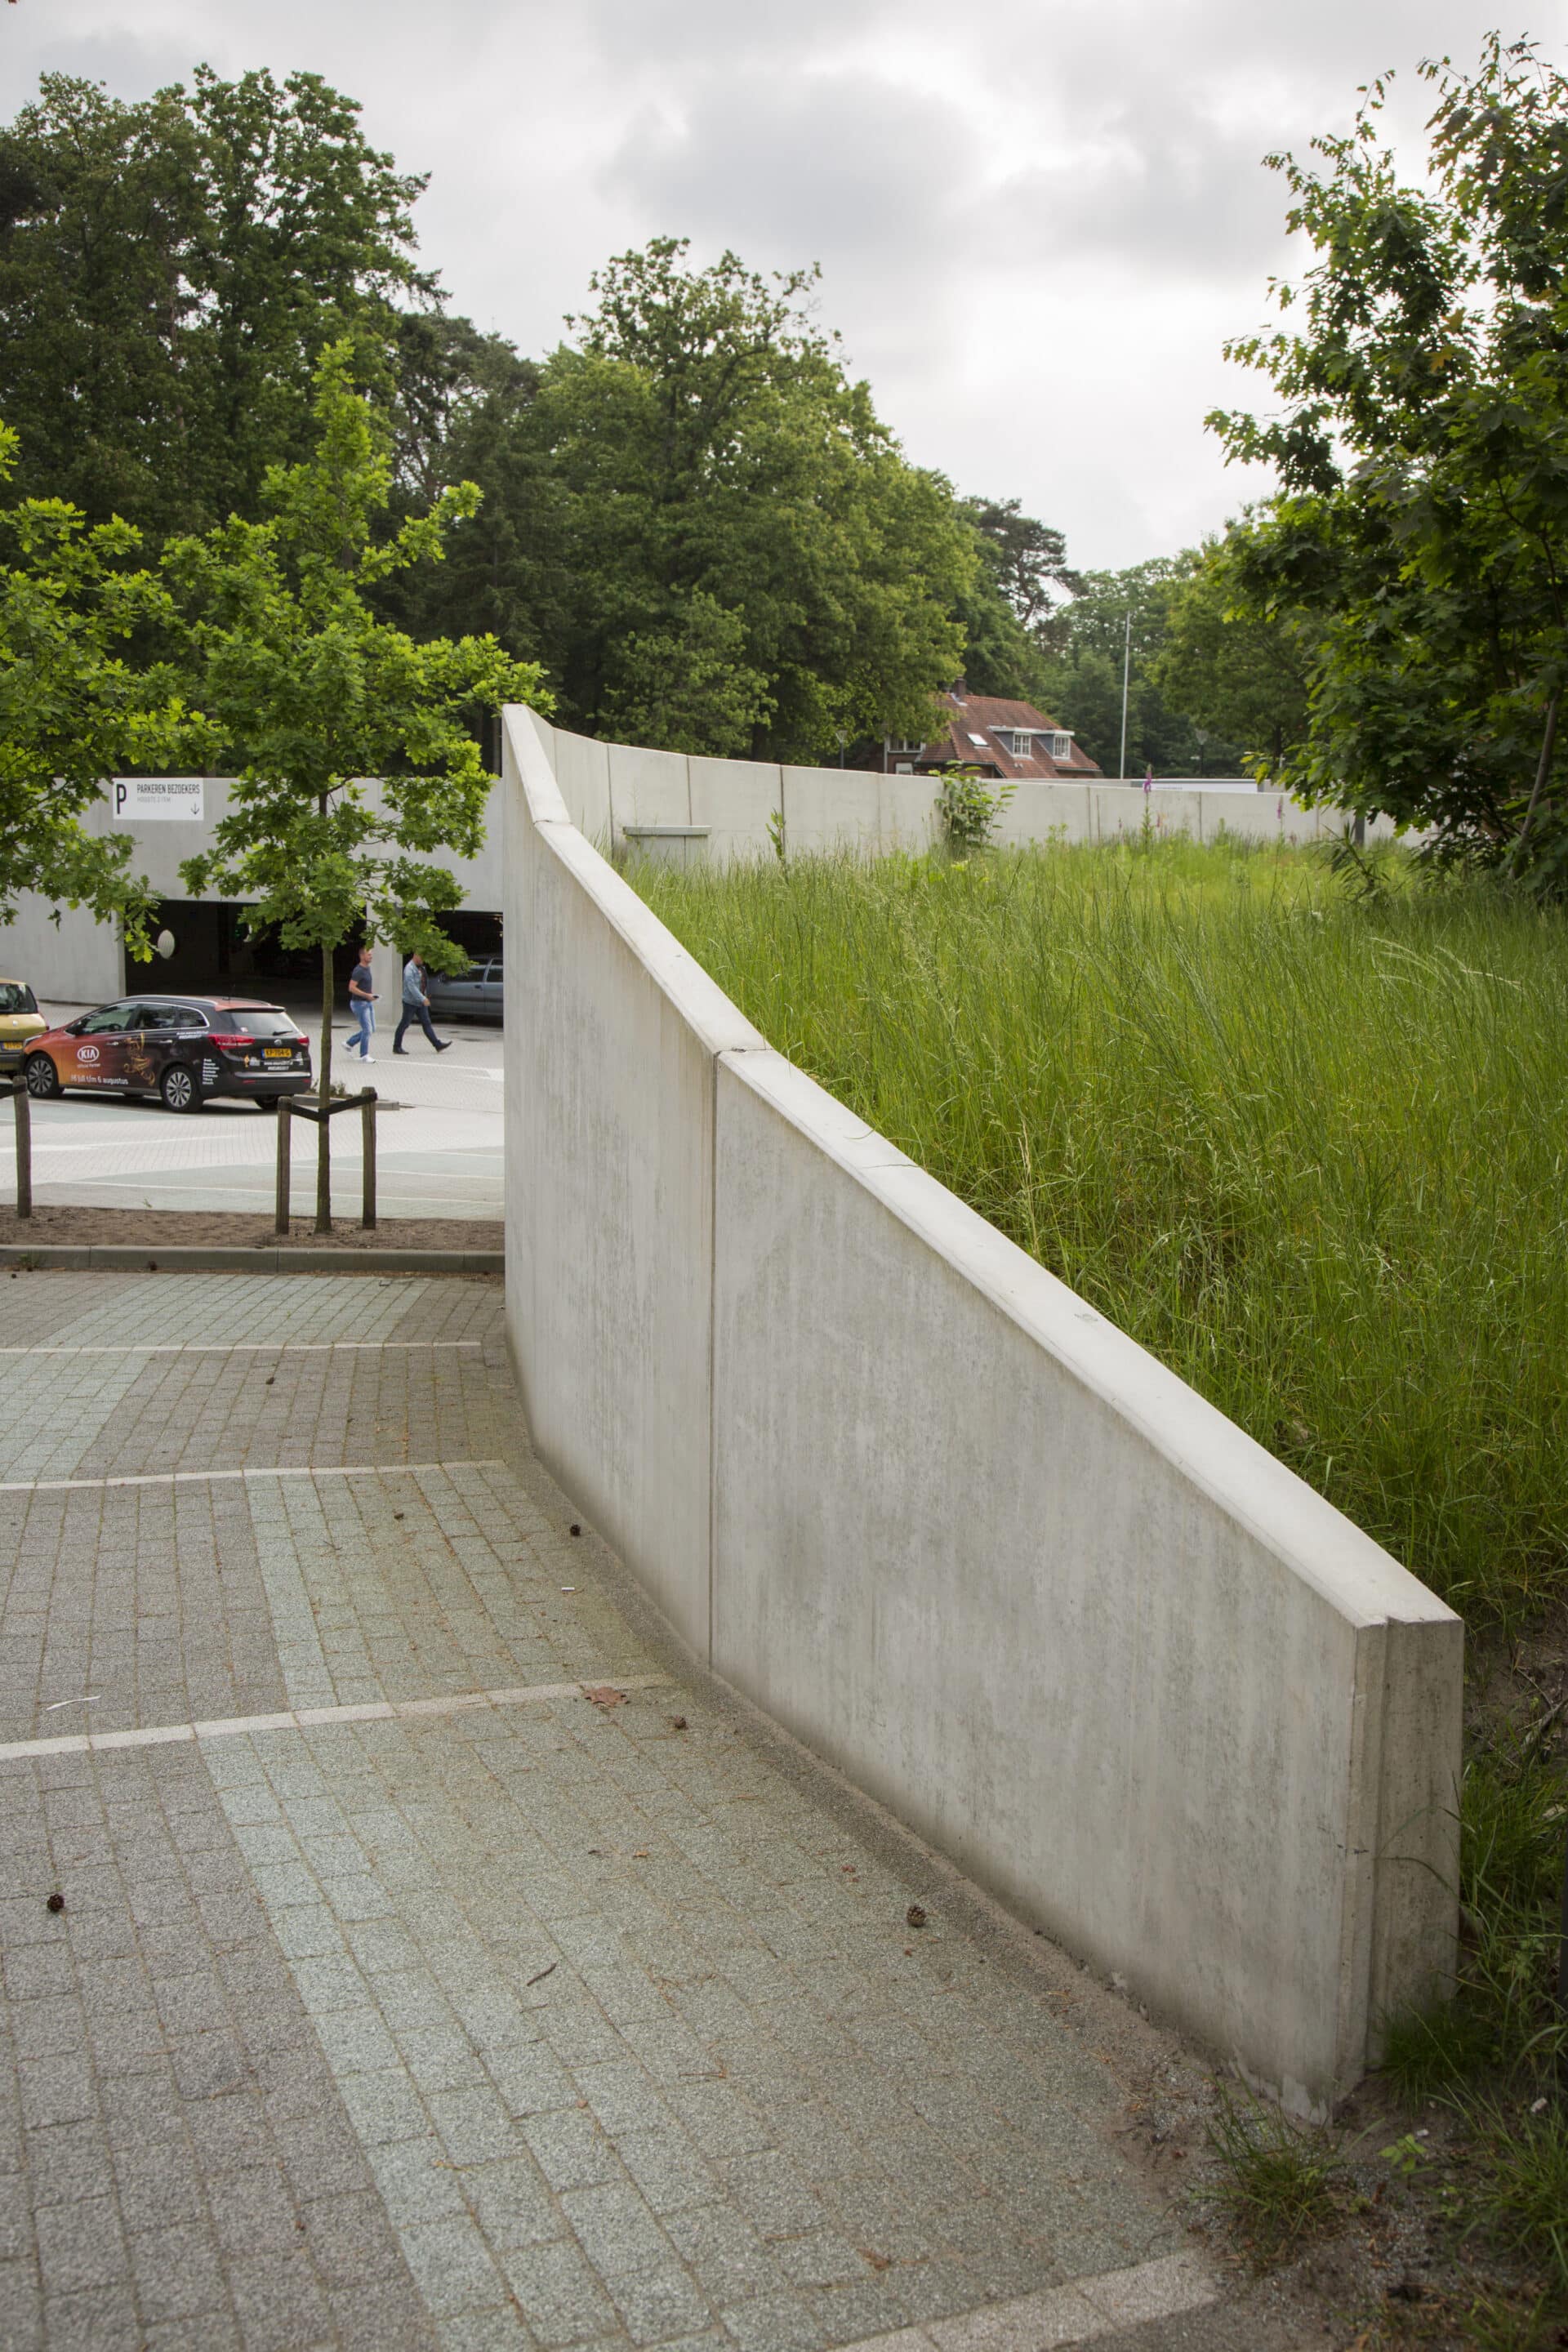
pixel 1308 1151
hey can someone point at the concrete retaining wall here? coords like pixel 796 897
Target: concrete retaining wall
pixel 609 787
pixel 966 1539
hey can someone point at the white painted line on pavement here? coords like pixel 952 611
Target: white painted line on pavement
pixel 221 1347
pixel 312 1719
pixel 1084 2311
pixel 288 1470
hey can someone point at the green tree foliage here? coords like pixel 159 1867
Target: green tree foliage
pixel 692 517
pixel 1021 574
pixel 170 271
pixel 77 705
pixel 1027 559
pixel 1422 449
pixel 1085 641
pixel 1241 675
pixel 695 520
pixel 311 693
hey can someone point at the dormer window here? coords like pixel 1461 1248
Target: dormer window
pixel 1021 743
pixel 1061 747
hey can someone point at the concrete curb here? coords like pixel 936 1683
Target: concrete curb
pixel 182 1259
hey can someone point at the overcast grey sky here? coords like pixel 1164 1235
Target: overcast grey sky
pixel 1037 219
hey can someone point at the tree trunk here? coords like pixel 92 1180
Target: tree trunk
pixel 1542 767
pixel 324 1125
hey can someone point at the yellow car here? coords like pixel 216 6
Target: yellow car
pixel 20 1022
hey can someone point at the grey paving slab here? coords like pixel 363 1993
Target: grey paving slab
pixel 163 2182
pixel 548 2024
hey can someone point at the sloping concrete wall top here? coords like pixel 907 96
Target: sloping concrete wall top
pixel 918 1500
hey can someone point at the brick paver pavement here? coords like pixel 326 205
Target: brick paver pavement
pixel 539 2020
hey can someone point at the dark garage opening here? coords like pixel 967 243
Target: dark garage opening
pixel 215 956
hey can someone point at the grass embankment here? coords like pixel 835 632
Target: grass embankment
pixel 1309 1151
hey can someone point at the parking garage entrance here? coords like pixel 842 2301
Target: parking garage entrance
pixel 214 955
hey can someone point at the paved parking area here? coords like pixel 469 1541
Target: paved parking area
pixel 442 1962
pixel 439 1142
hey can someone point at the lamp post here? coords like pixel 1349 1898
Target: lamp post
pixel 1126 674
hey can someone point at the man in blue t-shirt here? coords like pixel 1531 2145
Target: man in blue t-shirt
pixel 416 1006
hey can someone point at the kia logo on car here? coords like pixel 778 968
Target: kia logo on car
pixel 87 1053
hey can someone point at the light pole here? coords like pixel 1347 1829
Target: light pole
pixel 1126 673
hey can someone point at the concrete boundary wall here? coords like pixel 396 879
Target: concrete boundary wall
pixel 914 1497
pixel 607 787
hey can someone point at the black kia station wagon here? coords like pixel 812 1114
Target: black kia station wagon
pixel 182 1048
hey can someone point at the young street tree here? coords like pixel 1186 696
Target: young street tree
pixel 75 707
pixel 1422 527
pixel 312 697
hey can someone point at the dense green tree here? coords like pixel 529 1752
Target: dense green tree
pixel 692 516
pixel 310 695
pixel 1241 675
pixel 77 707
pixel 1021 574
pixel 694 488
pixel 170 270
pixel 1086 640
pixel 1026 558
pixel 1421 444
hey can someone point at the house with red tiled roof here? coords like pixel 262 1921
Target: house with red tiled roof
pixel 1004 739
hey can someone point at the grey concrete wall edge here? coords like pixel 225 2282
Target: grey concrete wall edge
pixel 1397 1825
pixel 554 877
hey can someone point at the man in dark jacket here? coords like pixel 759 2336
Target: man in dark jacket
pixel 416 1006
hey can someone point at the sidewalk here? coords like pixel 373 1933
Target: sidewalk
pixel 442 1962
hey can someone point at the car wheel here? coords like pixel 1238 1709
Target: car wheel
pixel 179 1089
pixel 43 1078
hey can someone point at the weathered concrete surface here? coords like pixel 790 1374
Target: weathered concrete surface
pixel 945 1521
pixel 610 1278
pixel 609 786
pixel 1106 1652
pixel 414 1990
pixel 76 958
pixel 649 787
pixel 736 800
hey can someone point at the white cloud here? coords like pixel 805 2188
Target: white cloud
pixel 1037 220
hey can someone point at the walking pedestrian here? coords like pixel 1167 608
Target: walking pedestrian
pixel 361 1004
pixel 416 1006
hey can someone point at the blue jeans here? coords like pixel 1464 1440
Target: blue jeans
pixel 363 1012
pixel 420 1013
